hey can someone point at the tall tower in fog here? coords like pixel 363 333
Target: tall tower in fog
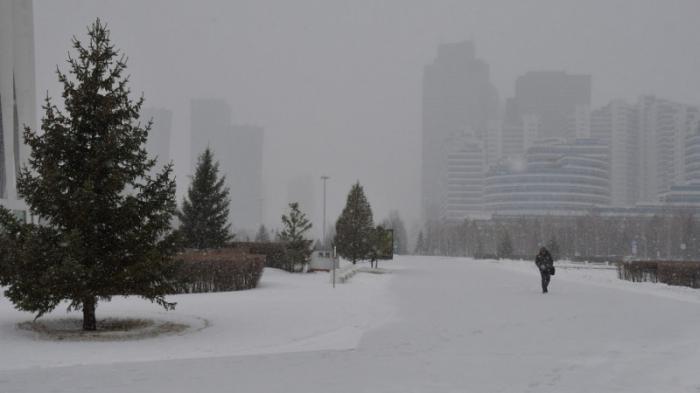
pixel 17 93
pixel 209 120
pixel 239 151
pixel 245 164
pixel 556 101
pixel 458 99
pixel 616 125
pixel 664 128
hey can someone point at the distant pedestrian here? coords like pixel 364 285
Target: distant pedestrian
pixel 545 263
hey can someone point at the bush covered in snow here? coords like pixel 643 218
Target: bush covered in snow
pixel 218 270
pixel 276 254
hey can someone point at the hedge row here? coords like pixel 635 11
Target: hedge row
pixel 218 271
pixel 276 254
pixel 685 274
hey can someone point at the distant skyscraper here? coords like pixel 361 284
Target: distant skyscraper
pixel 303 190
pixel 17 93
pixel 245 176
pixel 692 158
pixel 239 151
pixel 579 126
pixel 158 144
pixel 556 98
pixel 458 98
pixel 463 178
pixel 616 125
pixel 664 127
pixel 209 120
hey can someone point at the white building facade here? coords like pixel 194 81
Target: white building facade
pixel 616 125
pixel 458 97
pixel 664 127
pixel 17 94
pixel 465 166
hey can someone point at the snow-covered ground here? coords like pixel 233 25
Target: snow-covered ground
pixel 286 313
pixel 432 325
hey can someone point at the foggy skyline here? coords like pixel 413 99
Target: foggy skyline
pixel 324 77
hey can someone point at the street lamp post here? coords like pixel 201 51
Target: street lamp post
pixel 324 178
pixel 325 242
pixel 260 210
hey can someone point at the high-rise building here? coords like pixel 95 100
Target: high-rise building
pixel 239 151
pixel 493 149
pixel 463 178
pixel 664 127
pixel 616 125
pixel 303 190
pixel 692 158
pixel 458 97
pixel 209 120
pixel 512 138
pixel 579 123
pixel 687 195
pixel 557 99
pixel 245 158
pixel 158 144
pixel 17 94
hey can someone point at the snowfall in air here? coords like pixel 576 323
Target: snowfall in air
pixel 429 325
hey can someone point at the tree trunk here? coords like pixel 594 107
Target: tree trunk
pixel 89 320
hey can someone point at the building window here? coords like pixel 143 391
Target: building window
pixel 2 153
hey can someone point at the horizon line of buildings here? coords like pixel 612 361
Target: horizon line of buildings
pixel 546 151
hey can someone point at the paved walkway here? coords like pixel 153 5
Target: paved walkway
pixel 461 326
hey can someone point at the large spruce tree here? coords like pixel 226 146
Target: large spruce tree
pixel 205 210
pixel 105 221
pixel 354 228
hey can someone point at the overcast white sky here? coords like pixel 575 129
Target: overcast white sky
pixel 337 84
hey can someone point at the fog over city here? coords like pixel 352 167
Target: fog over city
pixel 337 85
pixel 349 196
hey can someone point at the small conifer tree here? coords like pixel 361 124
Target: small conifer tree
pixel 205 210
pixel 294 227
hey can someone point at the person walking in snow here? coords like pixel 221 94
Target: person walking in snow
pixel 545 263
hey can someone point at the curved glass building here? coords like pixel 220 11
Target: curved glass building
pixel 554 178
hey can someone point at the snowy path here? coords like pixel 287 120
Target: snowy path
pixel 461 326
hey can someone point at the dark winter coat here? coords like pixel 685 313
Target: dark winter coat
pixel 544 261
